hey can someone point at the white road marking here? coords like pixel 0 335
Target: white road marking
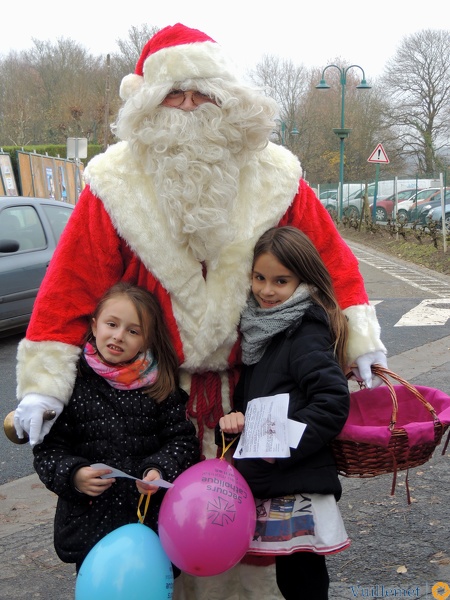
pixel 428 312
pixel 417 279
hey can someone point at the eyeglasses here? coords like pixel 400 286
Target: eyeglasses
pixel 177 97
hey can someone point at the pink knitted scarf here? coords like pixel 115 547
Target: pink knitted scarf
pixel 137 374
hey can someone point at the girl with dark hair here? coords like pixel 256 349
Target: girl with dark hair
pixel 126 411
pixel 294 339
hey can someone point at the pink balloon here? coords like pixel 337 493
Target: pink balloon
pixel 207 519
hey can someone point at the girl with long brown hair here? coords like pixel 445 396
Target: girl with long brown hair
pixel 294 342
pixel 127 412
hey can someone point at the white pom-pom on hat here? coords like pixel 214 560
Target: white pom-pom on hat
pixel 130 85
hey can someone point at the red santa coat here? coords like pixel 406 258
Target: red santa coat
pixel 117 232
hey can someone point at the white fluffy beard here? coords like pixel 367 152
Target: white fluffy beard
pixel 194 159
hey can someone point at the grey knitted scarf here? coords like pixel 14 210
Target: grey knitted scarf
pixel 260 325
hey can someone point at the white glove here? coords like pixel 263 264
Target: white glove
pixel 29 416
pixel 363 370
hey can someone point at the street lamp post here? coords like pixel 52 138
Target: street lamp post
pixel 342 133
pixel 294 131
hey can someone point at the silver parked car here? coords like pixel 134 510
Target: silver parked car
pixel 420 212
pixel 435 214
pixel 30 228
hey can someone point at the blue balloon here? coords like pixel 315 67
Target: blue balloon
pixel 127 564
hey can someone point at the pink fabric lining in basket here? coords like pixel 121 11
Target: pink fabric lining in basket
pixel 371 411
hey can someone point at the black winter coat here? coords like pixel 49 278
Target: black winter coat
pixel 300 362
pixel 123 429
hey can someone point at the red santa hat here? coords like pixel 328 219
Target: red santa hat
pixel 174 54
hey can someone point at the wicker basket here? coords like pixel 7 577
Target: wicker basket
pixel 378 444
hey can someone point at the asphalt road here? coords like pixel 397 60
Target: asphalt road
pixel 15 460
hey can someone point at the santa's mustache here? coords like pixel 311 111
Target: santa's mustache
pixel 203 132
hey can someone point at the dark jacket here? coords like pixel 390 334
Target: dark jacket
pixel 299 361
pixel 123 429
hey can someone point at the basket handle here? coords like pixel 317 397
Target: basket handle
pixel 384 375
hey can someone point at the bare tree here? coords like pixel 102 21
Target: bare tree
pixel 417 80
pixel 315 113
pixel 365 115
pixel 69 80
pixel 58 90
pixel 54 91
pixel 286 83
pixel 124 61
pixel 19 96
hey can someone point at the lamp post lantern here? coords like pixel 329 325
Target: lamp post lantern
pixel 342 133
pixel 294 131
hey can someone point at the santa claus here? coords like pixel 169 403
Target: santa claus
pixel 176 206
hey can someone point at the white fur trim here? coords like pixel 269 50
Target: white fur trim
pixel 364 331
pixel 207 312
pixel 47 368
pixel 188 61
pixel 130 85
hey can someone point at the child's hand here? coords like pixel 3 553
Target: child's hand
pixel 147 488
pixel 88 481
pixel 232 423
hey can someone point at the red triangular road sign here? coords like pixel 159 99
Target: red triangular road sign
pixel 378 155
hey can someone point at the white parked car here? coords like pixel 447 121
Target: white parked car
pixel 328 194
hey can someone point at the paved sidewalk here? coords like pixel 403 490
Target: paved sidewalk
pixel 29 567
pixel 397 550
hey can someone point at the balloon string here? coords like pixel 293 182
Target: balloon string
pixel 228 446
pixel 141 517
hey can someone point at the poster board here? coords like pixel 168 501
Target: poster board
pixel 49 177
pixel 8 185
pixel 25 173
pixel 61 180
